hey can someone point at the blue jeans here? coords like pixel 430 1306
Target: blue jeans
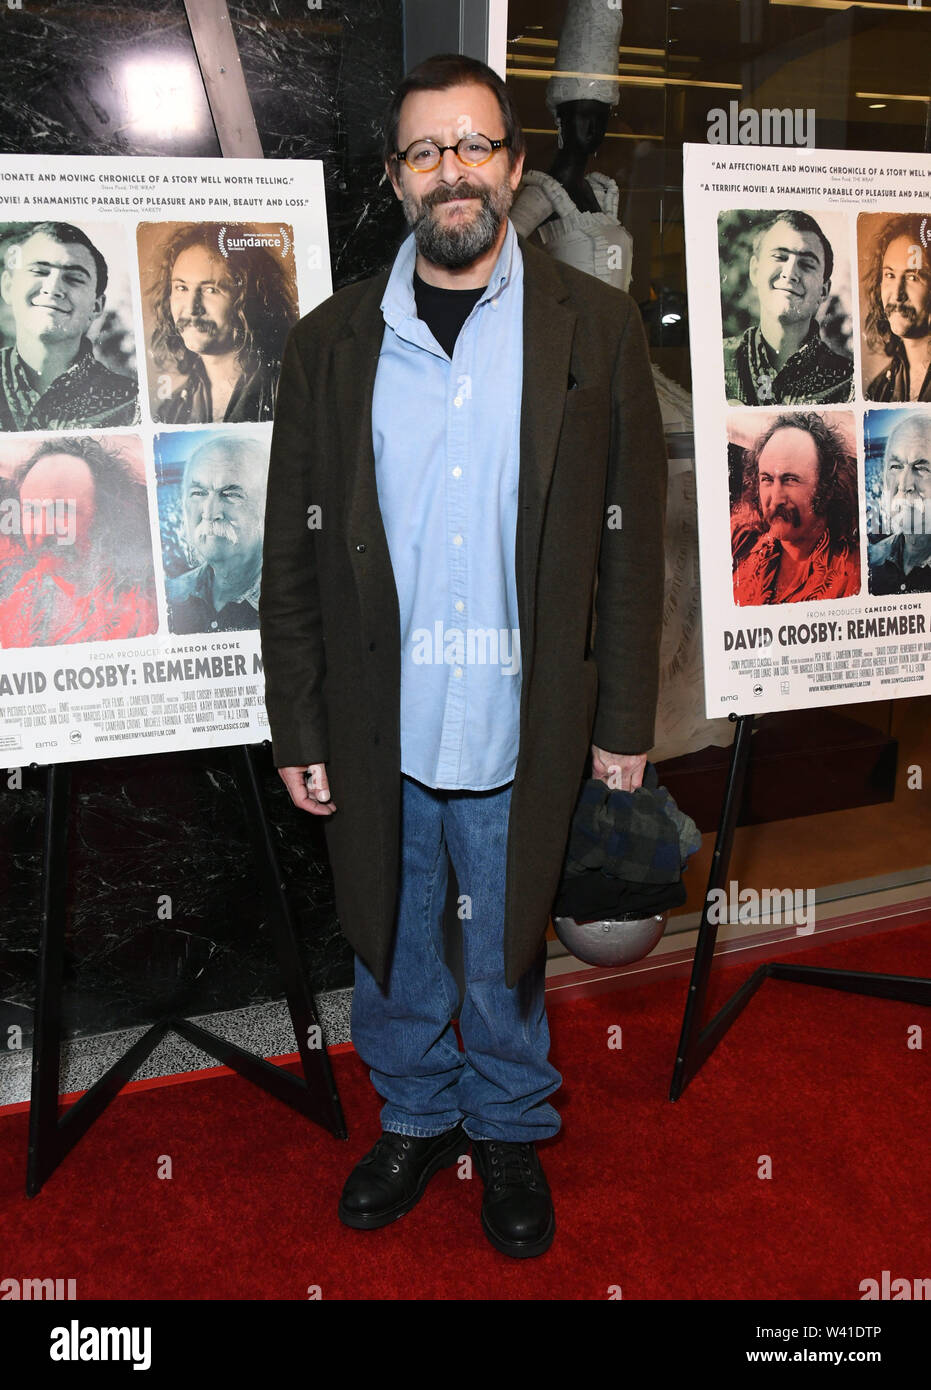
pixel 498 1085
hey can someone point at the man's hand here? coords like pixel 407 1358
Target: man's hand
pixel 622 771
pixel 308 788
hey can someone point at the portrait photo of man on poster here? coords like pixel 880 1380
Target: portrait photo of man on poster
pixel 894 252
pixel 67 352
pixel 786 308
pixel 898 500
pixel 794 506
pixel 75 542
pixel 211 496
pixel 218 303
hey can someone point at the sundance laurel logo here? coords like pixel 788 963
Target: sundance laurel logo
pixel 271 241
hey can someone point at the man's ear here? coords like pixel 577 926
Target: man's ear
pixel 99 303
pixel 391 169
pixel 516 172
pixel 5 281
pixel 754 267
pixel 825 290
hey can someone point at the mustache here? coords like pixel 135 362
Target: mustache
pixel 897 307
pixel 224 529
pixel 205 325
pixel 447 194
pixel 785 512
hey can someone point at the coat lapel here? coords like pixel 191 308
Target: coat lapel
pixel 549 325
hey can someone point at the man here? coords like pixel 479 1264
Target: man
pixel 901 562
pixel 222 323
pixel 794 535
pixel 223 501
pixel 83 569
pixel 783 359
pixel 54 280
pixel 474 424
pixel 897 285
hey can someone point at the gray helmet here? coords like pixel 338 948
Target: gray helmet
pixel 613 941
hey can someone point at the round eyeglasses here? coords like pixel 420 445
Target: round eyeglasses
pixel 472 150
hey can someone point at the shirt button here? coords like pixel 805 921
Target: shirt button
pixel 214 623
pixel 457 402
pixel 459 605
pixel 457 472
pixel 458 671
pixel 457 540
pixel 494 303
pixel 901 588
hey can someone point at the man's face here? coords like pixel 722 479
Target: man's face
pixel 57 501
pixel 224 506
pixel 52 289
pixel 202 295
pixel 907 477
pixel 788 275
pixel 788 473
pixel 906 289
pixel 455 211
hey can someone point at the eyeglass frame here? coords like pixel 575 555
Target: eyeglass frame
pixel 401 155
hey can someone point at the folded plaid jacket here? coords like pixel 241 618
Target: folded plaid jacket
pixel 640 836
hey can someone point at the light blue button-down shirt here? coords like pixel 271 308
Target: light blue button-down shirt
pixel 446 434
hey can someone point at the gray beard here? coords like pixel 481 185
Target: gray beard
pixel 456 247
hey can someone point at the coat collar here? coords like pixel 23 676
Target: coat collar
pixel 549 326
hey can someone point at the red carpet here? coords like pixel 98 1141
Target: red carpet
pixel 661 1199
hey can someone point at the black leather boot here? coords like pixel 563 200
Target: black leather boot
pixel 517 1210
pixel 392 1177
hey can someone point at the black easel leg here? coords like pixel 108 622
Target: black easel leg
pixel 322 1098
pixel 687 1060
pixel 46 1045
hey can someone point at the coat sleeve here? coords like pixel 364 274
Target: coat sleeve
pixel 289 604
pixel 631 566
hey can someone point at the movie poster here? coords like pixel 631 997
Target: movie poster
pixel 809 292
pixel 144 307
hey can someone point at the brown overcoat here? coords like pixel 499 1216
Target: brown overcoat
pixel 591 503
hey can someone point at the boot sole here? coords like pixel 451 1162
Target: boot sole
pixel 371 1221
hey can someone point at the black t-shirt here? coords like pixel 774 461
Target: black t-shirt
pixel 444 311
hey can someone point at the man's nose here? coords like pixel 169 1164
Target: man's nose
pixel 451 167
pixel 790 269
pixel 53 283
pixel 213 506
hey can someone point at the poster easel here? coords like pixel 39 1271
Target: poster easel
pixel 696 1043
pixel 313 1094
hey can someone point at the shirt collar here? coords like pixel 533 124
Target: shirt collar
pixel 399 303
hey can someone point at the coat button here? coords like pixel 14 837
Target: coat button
pixel 360 547
pixel 376 738
pixel 371 646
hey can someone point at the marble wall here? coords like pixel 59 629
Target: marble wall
pixel 71 75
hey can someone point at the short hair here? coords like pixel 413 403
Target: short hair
pixel 446 70
pixel 264 302
pixel 835 496
pixel 799 222
pixel 121 522
pixel 879 336
pixel 912 418
pixel 67 234
pixel 238 448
